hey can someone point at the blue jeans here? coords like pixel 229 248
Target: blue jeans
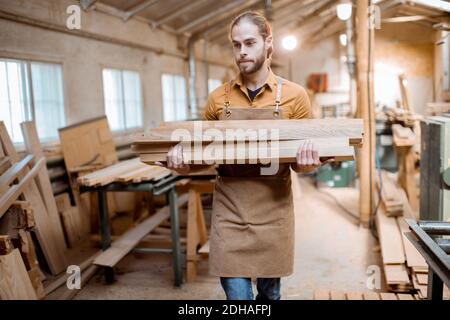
pixel 241 288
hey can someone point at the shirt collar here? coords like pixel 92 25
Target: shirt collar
pixel 271 80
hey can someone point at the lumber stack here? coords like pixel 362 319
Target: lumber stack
pixel 28 179
pixel 390 196
pixel 403 136
pixel 249 141
pixel 403 265
pixel 339 295
pixel 402 116
pixel 437 108
pixel 128 171
pixel 26 209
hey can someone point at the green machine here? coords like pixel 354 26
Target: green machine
pixel 336 174
pixel 435 168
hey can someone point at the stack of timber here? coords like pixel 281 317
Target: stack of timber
pixel 390 196
pixel 403 136
pixel 405 144
pixel 89 146
pixel 250 141
pixel 27 207
pixel 403 265
pixel 437 108
pixel 337 295
pixel 404 117
pixel 128 171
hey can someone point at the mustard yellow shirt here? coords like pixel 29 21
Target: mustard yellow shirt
pixel 295 102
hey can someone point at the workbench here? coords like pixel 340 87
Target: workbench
pixel 165 186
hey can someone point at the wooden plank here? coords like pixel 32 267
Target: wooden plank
pixel 286 129
pixel 321 295
pixel 85 277
pixel 29 257
pixel 15 284
pixel 72 225
pixel 8 198
pixel 53 252
pixel 81 145
pixel 335 295
pixel 371 296
pixel 396 274
pixel 413 257
pixel 6 245
pixel 354 296
pixel 388 296
pixel 404 296
pixel 403 136
pixel 422 278
pixel 390 239
pixel 5 163
pixel 55 284
pixel 232 155
pixel 365 103
pixel 33 147
pixel 13 173
pixel 131 238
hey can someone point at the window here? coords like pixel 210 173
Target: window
pixel 174 97
pixel 213 84
pixel 123 99
pixel 31 91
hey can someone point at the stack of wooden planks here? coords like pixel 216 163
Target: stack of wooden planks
pixel 337 295
pixel 128 171
pixel 401 261
pixel 402 116
pixel 437 108
pixel 403 136
pixel 250 141
pixel 27 207
pixel 391 199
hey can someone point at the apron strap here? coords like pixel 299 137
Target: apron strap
pixel 276 112
pixel 227 98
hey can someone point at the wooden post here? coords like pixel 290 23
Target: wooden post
pixel 364 60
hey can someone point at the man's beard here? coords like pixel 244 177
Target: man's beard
pixel 256 65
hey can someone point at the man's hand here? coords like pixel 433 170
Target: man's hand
pixel 308 156
pixel 175 160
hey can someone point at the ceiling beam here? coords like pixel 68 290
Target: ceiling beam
pixel 138 8
pixel 433 4
pixel 176 13
pixel 87 4
pixel 113 11
pixel 224 20
pixel 202 19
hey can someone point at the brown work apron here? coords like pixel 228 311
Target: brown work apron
pixel 252 230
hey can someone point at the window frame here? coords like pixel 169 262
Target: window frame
pixel 29 58
pixel 120 132
pixel 186 89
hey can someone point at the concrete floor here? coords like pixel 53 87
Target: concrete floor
pixel 332 253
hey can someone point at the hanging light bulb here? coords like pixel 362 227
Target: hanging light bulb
pixel 344 10
pixel 289 43
pixel 343 39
